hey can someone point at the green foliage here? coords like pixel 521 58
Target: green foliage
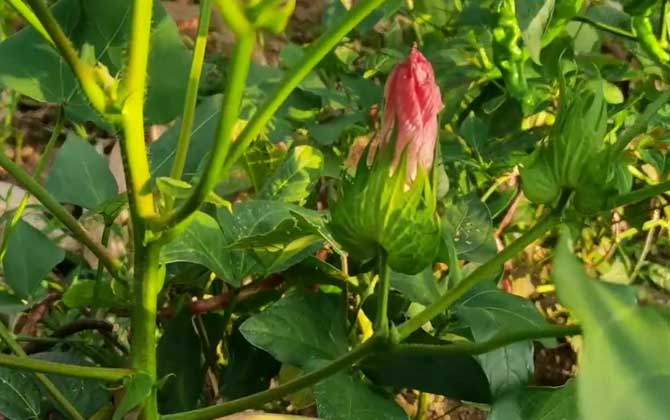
pixel 20 396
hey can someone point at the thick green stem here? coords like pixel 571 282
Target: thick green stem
pixel 76 371
pixel 55 393
pixel 84 72
pixel 191 98
pixel 482 273
pixel 496 342
pixel 113 265
pixel 313 56
pixel 147 283
pixel 44 159
pixel 260 398
pixel 606 28
pixel 224 133
pixel 136 161
pixel 382 319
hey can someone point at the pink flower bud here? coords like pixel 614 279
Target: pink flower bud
pixel 412 102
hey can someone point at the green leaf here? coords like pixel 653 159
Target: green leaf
pixel 345 397
pixel 249 369
pixel 329 132
pixel 33 68
pixel 533 17
pixel 538 403
pixel 138 388
pixel 80 175
pixel 316 329
pixel 19 395
pixel 202 242
pixel 179 355
pixel 178 189
pixel 622 340
pixel 468 222
pixel 203 133
pixel 30 257
pixel 422 288
pixel 293 181
pixel 475 132
pixel 82 293
pixel 489 312
pixel 87 395
pixel 460 376
pixel 11 304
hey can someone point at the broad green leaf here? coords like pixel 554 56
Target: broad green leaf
pixel 345 397
pixel 329 132
pixel 178 189
pixel 32 67
pixel 19 395
pixel 455 376
pixel 421 288
pixel 538 403
pixel 475 132
pixel 178 356
pixel 30 257
pixel 468 221
pixel 87 395
pixel 622 340
pixel 489 312
pixel 292 182
pixel 138 388
pixel 249 369
pixel 533 17
pixel 300 328
pixel 82 293
pixel 162 152
pixel 202 242
pixel 80 175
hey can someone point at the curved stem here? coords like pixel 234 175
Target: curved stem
pixel 313 56
pixel 639 195
pixel 640 125
pixel 607 28
pixel 255 400
pixel 483 272
pixel 191 98
pixel 55 393
pixel 84 72
pixel 75 371
pixel 228 117
pixel 496 342
pixel 113 265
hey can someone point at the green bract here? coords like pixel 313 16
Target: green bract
pixel 574 150
pixel 377 209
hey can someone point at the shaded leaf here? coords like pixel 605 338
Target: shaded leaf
pixel 30 257
pixel 80 175
pixel 468 221
pixel 138 388
pixel 293 180
pixel 19 395
pixel 538 403
pixel 533 17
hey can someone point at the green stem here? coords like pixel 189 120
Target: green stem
pixel 313 56
pixel 607 28
pixel 665 24
pixel 227 119
pixel 256 400
pixel 191 98
pixel 482 273
pixel 27 13
pixel 55 393
pixel 384 272
pixel 639 195
pixel 482 347
pixel 113 265
pixel 44 159
pixel 136 161
pixel 76 371
pixel 147 283
pixel 84 72
pixel 104 241
pixel 640 125
pixel 234 17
